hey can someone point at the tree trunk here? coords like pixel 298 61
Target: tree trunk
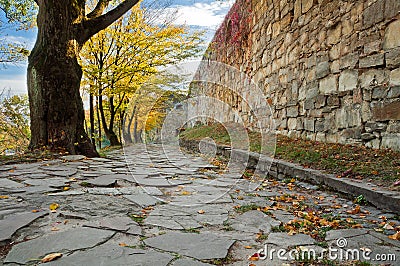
pixel 54 75
pixel 108 130
pixel 91 115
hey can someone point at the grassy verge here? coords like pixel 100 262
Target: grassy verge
pixel 381 167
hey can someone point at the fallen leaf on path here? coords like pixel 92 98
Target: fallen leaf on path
pixel 395 236
pixel 55 229
pixel 51 257
pixel 123 244
pixel 53 207
pixel 201 211
pixel 356 210
pixel 4 197
pixel 185 193
pixel 248 247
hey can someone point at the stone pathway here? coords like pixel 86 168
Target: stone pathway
pixel 156 206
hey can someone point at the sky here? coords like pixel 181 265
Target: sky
pixel 198 14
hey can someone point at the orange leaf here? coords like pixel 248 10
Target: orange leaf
pixel 201 211
pixel 4 197
pixel 395 236
pixel 51 257
pixel 248 247
pixel 123 244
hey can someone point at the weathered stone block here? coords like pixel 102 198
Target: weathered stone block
pixel 392 58
pixel 309 104
pixel 372 78
pixel 333 101
pixel 391 141
pixel 348 80
pixel 394 92
pixel 392 39
pixel 297 9
pixel 375 127
pixel 292 123
pixel 321 137
pixel 393 127
pixel 309 124
pixel 373 14
pixel 375 144
pixel 395 76
pixel 328 85
pixel 320 125
pixel 306 5
pixel 349 61
pixel 372 47
pixel 322 69
pixel 320 101
pixel 334 34
pixel 351 133
pixel 392 8
pixel 379 93
pixel 292 111
pixel 372 60
pixel 386 111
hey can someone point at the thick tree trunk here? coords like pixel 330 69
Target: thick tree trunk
pixel 54 75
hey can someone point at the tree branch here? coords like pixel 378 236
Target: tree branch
pixel 99 9
pixel 96 24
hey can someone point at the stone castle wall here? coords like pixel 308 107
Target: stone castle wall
pixel 330 69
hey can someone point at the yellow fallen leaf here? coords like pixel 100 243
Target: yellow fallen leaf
pixel 66 188
pixel 186 193
pixel 54 206
pixel 240 198
pixel 201 211
pixel 51 257
pixel 395 236
pixel 4 197
pixel 123 244
pixel 248 247
pixel 34 211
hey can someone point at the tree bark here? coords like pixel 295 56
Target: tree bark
pixel 54 74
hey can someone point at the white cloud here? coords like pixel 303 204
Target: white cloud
pixel 17 84
pixel 203 14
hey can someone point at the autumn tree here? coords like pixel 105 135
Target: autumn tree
pixel 14 122
pixel 120 59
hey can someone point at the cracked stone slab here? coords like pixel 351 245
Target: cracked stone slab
pixel 7 183
pixel 344 233
pixel 160 182
pixel 200 199
pixel 55 182
pixel 142 199
pixel 108 254
pixel 103 181
pixel 64 173
pixel 70 240
pixel 285 240
pixel 121 224
pixel 11 223
pixel 104 191
pixel 73 158
pixel 198 246
pixel 71 192
pixel 253 222
pixel 189 262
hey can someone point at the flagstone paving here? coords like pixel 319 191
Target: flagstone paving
pixel 153 205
